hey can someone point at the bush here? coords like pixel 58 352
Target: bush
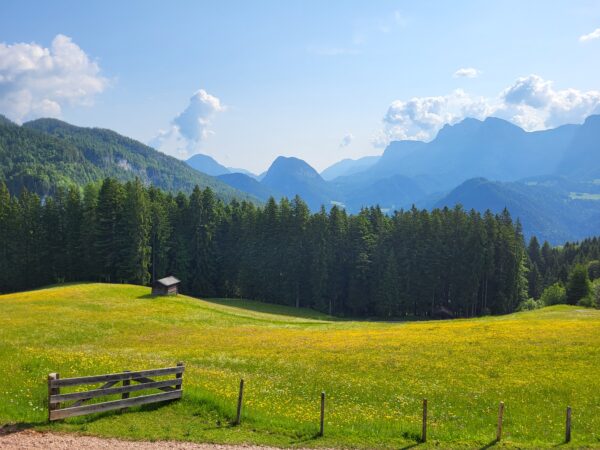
pixel 588 302
pixel 530 304
pixel 594 270
pixel 578 286
pixel 596 292
pixel 554 295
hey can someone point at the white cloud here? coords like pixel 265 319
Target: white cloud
pixel 194 121
pixel 590 36
pixel 532 91
pixel 191 127
pixel 467 72
pixel 422 117
pixel 533 103
pixel 530 102
pixel 347 140
pixel 37 82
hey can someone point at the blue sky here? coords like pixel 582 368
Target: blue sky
pixel 247 81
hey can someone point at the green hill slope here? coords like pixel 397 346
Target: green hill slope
pixel 46 153
pixel 375 374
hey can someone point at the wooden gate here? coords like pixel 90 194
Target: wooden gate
pixel 171 390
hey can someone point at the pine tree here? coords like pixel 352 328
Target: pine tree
pixel 73 229
pixel 316 277
pixel 179 250
pixel 29 237
pixel 90 266
pixel 337 254
pixel 578 286
pixel 386 284
pixel 133 235
pixel 362 242
pixel 108 230
pixel 297 251
pixel 7 240
pixel 160 232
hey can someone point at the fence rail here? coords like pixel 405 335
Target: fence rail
pixel 171 390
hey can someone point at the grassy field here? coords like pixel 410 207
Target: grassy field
pixel 375 374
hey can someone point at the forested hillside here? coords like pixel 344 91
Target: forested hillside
pixel 412 263
pixel 552 208
pixel 46 153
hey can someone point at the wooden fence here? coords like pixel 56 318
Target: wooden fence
pixel 171 390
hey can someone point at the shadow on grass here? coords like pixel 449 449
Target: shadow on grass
pixel 272 308
pixel 406 447
pixel 93 417
pixel 489 445
pixel 11 428
pixel 306 313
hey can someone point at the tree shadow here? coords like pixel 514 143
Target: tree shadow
pixel 272 309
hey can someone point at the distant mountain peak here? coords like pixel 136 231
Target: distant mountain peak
pixel 470 124
pixel 5 120
pixel 594 120
pixel 348 166
pixel 292 166
pixel 206 164
pixel 292 176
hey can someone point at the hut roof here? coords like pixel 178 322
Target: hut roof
pixel 168 281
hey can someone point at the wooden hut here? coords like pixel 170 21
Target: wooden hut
pixel 443 313
pixel 166 286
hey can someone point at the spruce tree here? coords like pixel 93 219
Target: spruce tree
pixel 133 235
pixel 578 286
pixel 109 234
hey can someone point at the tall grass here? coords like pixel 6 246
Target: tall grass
pixel 375 374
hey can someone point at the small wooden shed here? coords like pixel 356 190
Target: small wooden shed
pixel 443 313
pixel 166 286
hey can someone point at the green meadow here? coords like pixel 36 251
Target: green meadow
pixel 375 374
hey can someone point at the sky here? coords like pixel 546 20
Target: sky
pixel 247 81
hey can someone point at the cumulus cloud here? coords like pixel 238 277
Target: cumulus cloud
pixel 533 103
pixel 467 72
pixel 36 81
pixel 191 127
pixel 347 140
pixel 532 91
pixel 590 36
pixel 421 117
pixel 530 102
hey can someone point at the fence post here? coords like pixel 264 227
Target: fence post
pixel 500 416
pixel 126 383
pixel 568 425
pixel 238 417
pixel 52 391
pixel 424 429
pixel 322 422
pixel 179 375
pixel 125 394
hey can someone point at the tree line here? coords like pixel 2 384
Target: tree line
pixel 413 263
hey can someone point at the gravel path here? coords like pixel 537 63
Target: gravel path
pixel 34 440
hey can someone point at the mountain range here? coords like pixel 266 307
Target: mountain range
pixel 44 154
pixel 549 180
